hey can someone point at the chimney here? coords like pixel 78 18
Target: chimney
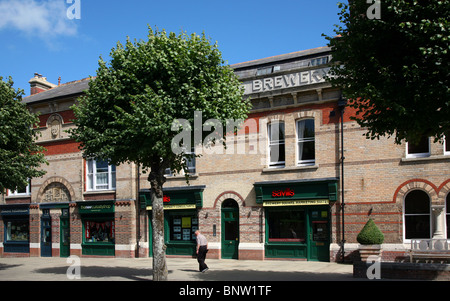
pixel 39 84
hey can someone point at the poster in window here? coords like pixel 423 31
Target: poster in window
pixel 186 234
pixel 186 222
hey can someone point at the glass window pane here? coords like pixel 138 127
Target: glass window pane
pixel 101 166
pixel 306 151
pixel 305 129
pixel 17 230
pixel 276 132
pixel 99 231
pixel 231 230
pixel 286 225
pixel 419 148
pixel 417 201
pixel 417 226
pixel 277 154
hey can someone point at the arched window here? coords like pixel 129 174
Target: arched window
pixel 417 216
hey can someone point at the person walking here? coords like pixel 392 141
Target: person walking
pixel 202 249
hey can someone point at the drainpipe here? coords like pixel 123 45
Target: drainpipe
pixel 342 102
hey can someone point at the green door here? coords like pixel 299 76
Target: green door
pixel 64 246
pixel 230 229
pixel 319 233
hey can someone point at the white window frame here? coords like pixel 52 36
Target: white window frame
pixel 16 193
pixel 277 164
pixel 191 169
pixel 404 214
pixel 303 140
pixel 446 151
pixel 418 155
pixel 91 177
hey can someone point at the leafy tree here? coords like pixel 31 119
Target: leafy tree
pixel 394 68
pixel 20 156
pixel 128 113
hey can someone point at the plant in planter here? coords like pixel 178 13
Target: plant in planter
pixel 370 239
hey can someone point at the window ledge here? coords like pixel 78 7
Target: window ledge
pixel 291 168
pixel 425 159
pixel 181 177
pixel 99 191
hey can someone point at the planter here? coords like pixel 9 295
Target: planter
pixel 369 250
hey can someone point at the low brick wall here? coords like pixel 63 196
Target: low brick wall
pixel 405 270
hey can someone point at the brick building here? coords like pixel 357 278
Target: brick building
pixel 275 192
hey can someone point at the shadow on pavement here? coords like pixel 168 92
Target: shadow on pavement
pixel 103 272
pixel 8 266
pixel 246 275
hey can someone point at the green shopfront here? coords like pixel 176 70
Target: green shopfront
pixel 98 226
pixel 297 217
pixel 181 206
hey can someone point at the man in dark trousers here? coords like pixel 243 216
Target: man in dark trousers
pixel 202 249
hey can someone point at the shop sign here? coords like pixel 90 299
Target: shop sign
pixel 283 193
pixel 166 199
pixel 177 206
pixel 15 211
pixel 295 203
pixel 97 208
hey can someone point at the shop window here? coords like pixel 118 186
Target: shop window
pixel 17 230
pixel 305 142
pixel 276 135
pixel 99 231
pixel 182 227
pixel 286 226
pixel 419 149
pixel 417 217
pixel 100 175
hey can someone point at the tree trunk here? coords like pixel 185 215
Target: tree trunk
pixel 156 179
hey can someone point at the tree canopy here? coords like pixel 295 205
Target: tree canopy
pixel 20 156
pixel 394 69
pixel 128 113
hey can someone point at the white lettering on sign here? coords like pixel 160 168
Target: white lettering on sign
pixel 286 81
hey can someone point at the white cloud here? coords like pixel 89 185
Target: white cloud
pixel 44 18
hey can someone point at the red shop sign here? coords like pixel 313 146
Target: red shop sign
pixel 166 199
pixel 283 193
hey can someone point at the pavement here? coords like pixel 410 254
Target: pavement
pixel 180 269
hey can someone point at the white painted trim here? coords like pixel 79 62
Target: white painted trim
pixel 251 246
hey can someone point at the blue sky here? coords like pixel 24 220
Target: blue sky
pixel 38 36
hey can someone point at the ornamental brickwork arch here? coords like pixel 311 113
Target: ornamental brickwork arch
pixel 229 195
pixel 444 190
pixel 416 184
pixel 55 190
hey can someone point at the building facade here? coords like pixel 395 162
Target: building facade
pixel 276 192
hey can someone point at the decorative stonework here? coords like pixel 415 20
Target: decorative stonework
pixel 56 190
pixel 55 122
pixel 56 193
